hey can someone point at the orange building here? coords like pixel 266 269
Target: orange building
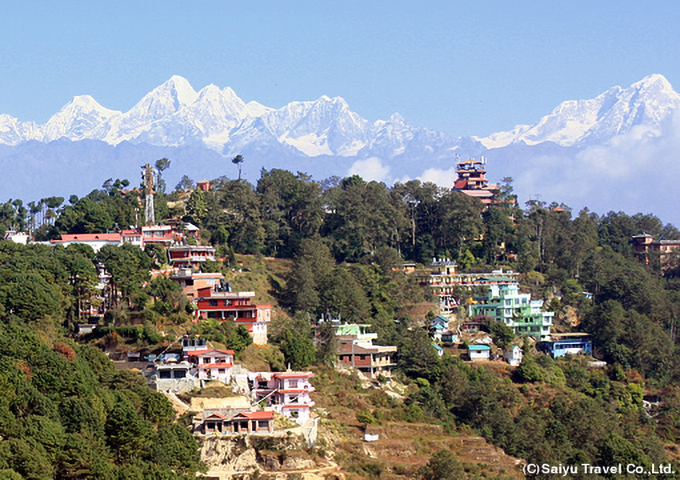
pixel 191 282
pixel 644 246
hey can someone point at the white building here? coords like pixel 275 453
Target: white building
pixel 513 355
pixel 286 392
pixel 213 364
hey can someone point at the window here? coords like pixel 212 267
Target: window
pixel 180 373
pixel 292 384
pixel 212 303
pixel 221 371
pixel 262 424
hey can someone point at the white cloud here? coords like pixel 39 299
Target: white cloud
pixel 634 172
pixel 370 169
pixel 442 178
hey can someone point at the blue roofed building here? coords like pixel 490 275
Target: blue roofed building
pixel 561 344
pixel 479 352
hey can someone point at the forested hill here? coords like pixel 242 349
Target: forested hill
pixel 66 413
pixel 559 253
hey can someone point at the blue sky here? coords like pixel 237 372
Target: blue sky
pixel 465 68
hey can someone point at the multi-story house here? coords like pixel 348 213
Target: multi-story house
pixel 504 303
pixel 219 302
pixel 193 343
pixel 285 392
pixel 176 377
pixel 644 247
pixel 164 235
pixel 212 364
pixel 445 284
pixel 356 349
pixel 133 237
pixel 190 256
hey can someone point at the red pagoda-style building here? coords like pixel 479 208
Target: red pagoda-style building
pixel 472 182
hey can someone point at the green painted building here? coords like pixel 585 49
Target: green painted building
pixel 505 303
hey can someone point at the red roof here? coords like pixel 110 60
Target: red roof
pixel 216 365
pixel 91 237
pixel 193 353
pixel 256 415
pixel 460 184
pixel 201 353
pixel 218 415
pixel 293 374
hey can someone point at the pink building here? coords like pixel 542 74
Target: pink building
pixel 644 247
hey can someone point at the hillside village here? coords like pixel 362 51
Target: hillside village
pixel 334 353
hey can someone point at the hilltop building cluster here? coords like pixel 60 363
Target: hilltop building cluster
pixel 211 296
pixel 494 295
pixel 258 395
pixel 485 299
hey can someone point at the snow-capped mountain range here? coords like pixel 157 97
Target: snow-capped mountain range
pixel 175 115
pixel 594 152
pixel 648 103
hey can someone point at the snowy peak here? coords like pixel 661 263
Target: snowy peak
pixel 165 99
pixel 654 83
pixel 78 119
pixel 326 126
pixel 646 104
pixel 14 132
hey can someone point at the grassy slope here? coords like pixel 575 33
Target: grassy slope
pixel 404 446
